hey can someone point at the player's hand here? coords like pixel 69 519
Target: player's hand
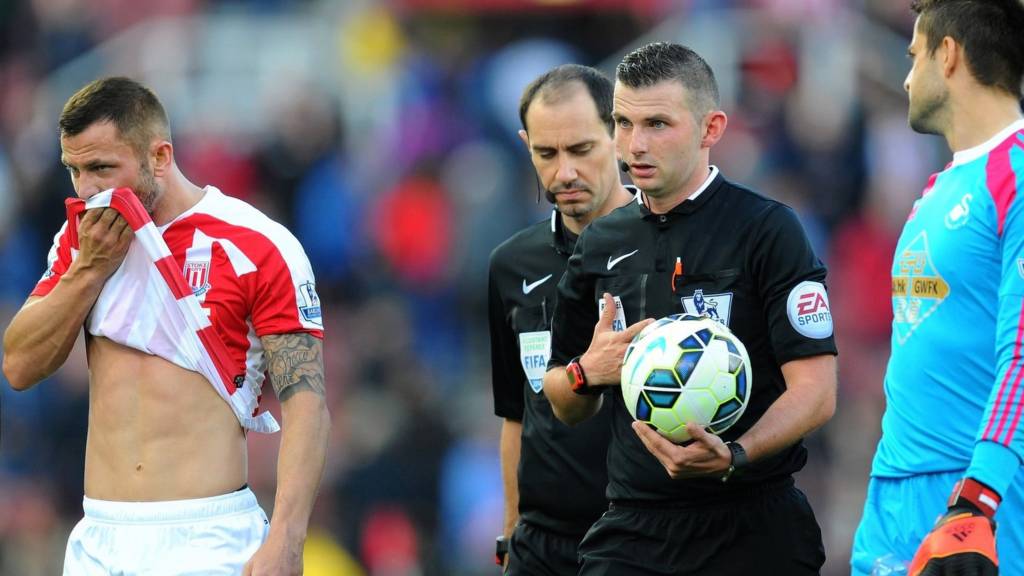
pixel 707 454
pixel 275 557
pixel 962 542
pixel 103 240
pixel 602 362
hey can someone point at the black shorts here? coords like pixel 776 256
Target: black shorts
pixel 534 551
pixel 770 531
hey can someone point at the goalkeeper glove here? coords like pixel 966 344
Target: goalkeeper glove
pixel 963 540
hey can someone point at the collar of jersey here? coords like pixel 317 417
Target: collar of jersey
pixel 975 152
pixel 562 239
pixel 210 193
pixel 695 201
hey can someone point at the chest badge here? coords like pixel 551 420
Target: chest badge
pixel 197 276
pixel 716 306
pixel 534 353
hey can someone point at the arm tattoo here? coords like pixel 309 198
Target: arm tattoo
pixel 295 362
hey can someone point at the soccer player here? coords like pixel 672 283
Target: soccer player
pixel 952 440
pixel 165 465
pixel 558 490
pixel 716 506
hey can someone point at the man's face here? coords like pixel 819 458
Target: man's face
pixel 99 159
pixel 572 151
pixel 657 135
pixel 924 86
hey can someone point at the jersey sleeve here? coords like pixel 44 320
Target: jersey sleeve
pixel 285 298
pixel 575 312
pixel 999 449
pixel 791 282
pixel 57 261
pixel 507 376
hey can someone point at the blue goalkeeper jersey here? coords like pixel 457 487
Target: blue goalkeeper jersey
pixel 954 381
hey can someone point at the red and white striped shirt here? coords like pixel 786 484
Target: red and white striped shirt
pixel 243 273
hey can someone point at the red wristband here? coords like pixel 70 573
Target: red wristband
pixel 984 498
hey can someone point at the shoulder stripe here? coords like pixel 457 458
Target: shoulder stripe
pixel 1004 398
pixel 1001 180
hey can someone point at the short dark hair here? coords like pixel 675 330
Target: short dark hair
pixel 552 84
pixel 660 61
pixel 990 32
pixel 128 105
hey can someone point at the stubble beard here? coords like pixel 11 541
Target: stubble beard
pixel 925 117
pixel 577 210
pixel 148 190
pixel 572 209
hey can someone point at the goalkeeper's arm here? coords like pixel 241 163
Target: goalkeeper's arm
pixel 963 540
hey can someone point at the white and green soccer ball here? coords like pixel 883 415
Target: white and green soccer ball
pixel 686 368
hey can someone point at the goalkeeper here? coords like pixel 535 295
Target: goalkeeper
pixel 952 441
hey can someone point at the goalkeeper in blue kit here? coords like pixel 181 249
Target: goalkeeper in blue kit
pixel 952 434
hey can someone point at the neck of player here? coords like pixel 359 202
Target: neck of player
pixel 980 116
pixel 665 202
pixel 179 195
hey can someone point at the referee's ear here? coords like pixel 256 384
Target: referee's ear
pixel 714 124
pixel 525 138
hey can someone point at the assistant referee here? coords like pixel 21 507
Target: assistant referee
pixel 559 489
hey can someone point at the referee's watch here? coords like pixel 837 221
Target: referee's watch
pixel 578 380
pixel 738 459
pixel 500 550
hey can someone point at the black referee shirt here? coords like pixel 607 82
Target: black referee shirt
pixel 562 470
pixel 746 260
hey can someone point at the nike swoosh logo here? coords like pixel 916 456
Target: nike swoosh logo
pixel 613 261
pixel 527 288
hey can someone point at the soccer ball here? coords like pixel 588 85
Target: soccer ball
pixel 686 368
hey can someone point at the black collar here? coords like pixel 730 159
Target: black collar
pixel 563 240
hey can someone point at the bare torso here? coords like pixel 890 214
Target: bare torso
pixel 156 430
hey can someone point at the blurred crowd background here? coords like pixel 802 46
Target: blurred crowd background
pixel 383 134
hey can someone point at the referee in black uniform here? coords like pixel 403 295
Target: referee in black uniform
pixel 559 492
pixel 700 244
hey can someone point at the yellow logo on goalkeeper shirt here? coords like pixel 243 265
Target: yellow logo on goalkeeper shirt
pixel 921 287
pixel 917 287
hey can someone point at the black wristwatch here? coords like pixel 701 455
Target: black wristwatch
pixel 500 550
pixel 738 459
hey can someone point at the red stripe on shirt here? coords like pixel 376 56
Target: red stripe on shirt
pixel 124 201
pixel 1016 419
pixel 171 273
pixel 1001 174
pixel 275 311
pixel 61 263
pixel 988 435
pixel 1001 180
pixel 221 357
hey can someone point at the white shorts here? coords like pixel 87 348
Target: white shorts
pixel 208 536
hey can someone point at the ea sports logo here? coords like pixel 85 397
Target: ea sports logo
pixel 808 310
pixel 811 303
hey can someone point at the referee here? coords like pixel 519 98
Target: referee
pixel 559 492
pixel 697 243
